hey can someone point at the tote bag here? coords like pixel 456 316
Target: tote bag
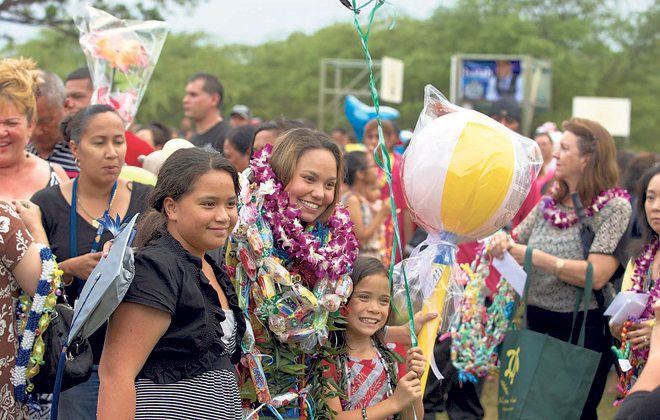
pixel 542 377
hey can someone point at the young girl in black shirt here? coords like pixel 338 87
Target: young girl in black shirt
pixel 172 343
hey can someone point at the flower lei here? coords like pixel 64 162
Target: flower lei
pixel 305 249
pixel 293 280
pixel 34 315
pixel 642 268
pixel 563 220
pixel 477 330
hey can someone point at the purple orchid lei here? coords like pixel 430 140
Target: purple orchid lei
pixel 563 220
pixel 309 253
pixel 642 266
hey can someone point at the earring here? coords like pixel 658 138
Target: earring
pixel 75 160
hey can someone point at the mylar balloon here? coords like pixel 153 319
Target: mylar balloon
pixel 465 175
pixel 359 114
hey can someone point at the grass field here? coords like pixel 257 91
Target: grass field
pixel 489 400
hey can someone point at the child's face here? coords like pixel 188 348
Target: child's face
pixel 373 192
pixel 369 306
pixel 312 187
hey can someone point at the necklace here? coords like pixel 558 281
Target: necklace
pixel 95 220
pixel 33 315
pixel 348 371
pixel 312 257
pixel 642 276
pixel 563 220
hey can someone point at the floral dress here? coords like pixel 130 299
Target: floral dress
pixel 14 242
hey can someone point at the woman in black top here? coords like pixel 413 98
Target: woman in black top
pixel 69 215
pixel 172 342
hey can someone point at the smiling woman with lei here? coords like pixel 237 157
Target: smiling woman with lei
pixel 290 258
pixel 641 277
pixel 586 163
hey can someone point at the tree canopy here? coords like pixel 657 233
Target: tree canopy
pixel 595 49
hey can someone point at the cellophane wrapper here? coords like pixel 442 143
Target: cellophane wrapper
pixel 121 56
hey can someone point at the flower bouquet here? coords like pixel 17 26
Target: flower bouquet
pixel 121 55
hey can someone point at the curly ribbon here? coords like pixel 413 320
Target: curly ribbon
pixel 385 166
pixel 282 400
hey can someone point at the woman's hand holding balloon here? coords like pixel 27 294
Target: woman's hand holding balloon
pixel 499 245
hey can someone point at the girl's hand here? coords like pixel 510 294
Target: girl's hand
pixel 639 335
pixel 499 245
pixel 385 209
pixel 407 391
pixel 416 362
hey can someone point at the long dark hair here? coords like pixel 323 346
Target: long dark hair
pixel 72 127
pixel 362 268
pixel 176 179
pixel 648 233
pixel 354 162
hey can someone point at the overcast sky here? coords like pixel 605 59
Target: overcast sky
pixel 256 21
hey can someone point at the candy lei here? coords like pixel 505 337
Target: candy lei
pixel 641 277
pixel 477 331
pixel 34 315
pixel 307 251
pixel 635 365
pixel 563 220
pixel 292 281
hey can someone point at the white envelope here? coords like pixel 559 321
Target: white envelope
pixel 512 272
pixel 626 304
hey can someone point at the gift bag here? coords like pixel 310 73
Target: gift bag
pixel 542 377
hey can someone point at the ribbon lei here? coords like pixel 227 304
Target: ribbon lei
pixel 386 165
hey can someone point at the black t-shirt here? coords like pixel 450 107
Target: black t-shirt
pixel 169 278
pixel 641 405
pixel 55 216
pixel 214 137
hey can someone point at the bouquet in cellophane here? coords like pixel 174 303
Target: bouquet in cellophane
pixel 121 56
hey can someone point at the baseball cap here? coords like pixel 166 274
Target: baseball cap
pixel 241 110
pixel 505 108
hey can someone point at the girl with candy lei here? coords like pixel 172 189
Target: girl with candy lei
pixel 642 277
pixel 28 276
pixel 290 258
pixel 372 377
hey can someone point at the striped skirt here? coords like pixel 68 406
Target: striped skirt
pixel 212 395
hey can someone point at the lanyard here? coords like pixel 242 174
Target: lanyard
pixel 73 222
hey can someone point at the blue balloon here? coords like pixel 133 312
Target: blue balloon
pixel 359 114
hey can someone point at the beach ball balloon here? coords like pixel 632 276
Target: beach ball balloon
pixel 465 175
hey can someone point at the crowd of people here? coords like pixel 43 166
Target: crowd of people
pixel 170 349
